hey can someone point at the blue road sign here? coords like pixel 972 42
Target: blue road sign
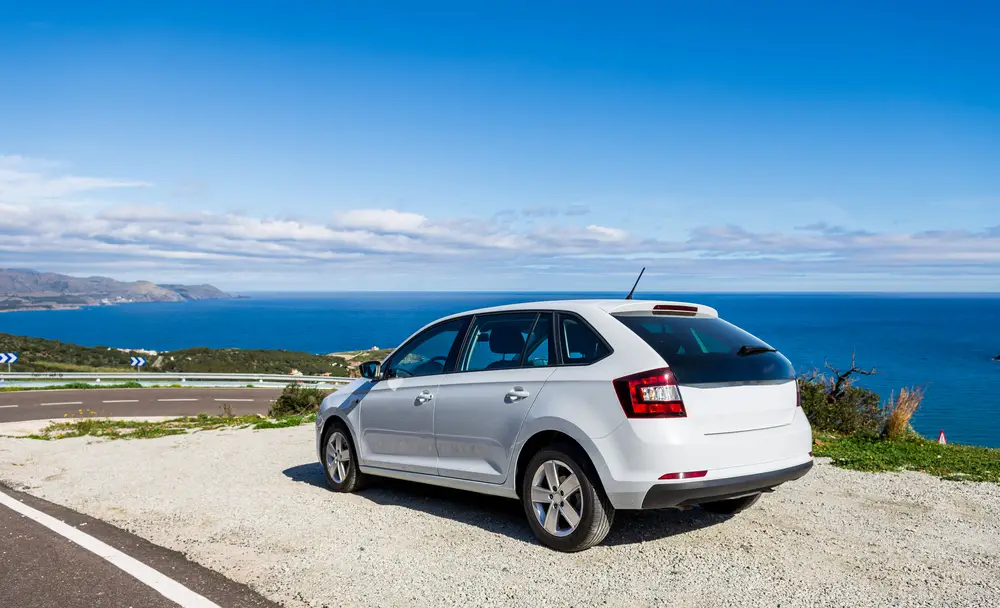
pixel 138 361
pixel 8 357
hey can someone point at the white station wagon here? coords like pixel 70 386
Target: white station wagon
pixel 576 408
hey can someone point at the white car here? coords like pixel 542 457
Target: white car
pixel 577 408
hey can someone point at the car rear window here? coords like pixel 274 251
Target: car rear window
pixel 703 350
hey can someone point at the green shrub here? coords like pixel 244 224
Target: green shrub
pixel 857 411
pixel 295 400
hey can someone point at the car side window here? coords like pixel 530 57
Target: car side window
pixel 426 354
pixel 540 349
pixel 580 345
pixel 497 341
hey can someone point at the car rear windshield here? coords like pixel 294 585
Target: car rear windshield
pixel 704 350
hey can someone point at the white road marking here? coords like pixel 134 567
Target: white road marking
pixel 167 587
pixel 122 401
pixel 64 403
pixel 176 399
pixel 3 406
pixel 237 400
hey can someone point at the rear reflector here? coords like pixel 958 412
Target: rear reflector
pixel 652 394
pixel 688 475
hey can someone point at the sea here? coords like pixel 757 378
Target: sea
pixel 942 343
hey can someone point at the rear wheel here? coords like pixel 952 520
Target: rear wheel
pixel 731 506
pixel 340 461
pixel 565 510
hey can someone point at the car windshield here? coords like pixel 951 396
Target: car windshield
pixel 705 350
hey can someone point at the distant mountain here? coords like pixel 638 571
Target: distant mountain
pixel 29 289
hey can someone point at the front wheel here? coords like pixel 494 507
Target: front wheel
pixel 565 510
pixel 731 506
pixel 340 461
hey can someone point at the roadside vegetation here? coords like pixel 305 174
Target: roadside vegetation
pixel 76 386
pixel 86 424
pixel 295 406
pixel 853 427
pixel 41 355
pixel 296 401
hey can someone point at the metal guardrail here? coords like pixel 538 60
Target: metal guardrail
pixel 171 377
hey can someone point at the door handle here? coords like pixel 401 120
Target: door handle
pixel 423 398
pixel 517 393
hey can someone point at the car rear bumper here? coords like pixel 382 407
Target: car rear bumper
pixel 690 493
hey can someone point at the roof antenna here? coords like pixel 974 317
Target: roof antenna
pixel 629 296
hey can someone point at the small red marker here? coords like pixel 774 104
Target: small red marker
pixel 941 438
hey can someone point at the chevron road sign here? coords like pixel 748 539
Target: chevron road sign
pixel 137 361
pixel 8 358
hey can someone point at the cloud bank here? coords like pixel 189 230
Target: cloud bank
pixel 44 225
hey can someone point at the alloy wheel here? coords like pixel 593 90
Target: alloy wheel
pixel 338 456
pixel 556 498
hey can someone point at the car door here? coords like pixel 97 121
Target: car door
pixel 480 407
pixel 397 415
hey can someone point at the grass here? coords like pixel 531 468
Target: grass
pixel 56 366
pixel 70 385
pixel 85 386
pixel 135 429
pixel 910 453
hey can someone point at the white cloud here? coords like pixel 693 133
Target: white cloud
pixel 381 220
pixel 607 235
pixel 28 180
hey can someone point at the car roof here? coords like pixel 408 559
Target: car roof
pixel 583 307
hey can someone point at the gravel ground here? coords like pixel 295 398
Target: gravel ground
pixel 252 505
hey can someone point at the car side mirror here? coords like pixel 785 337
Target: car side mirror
pixel 370 369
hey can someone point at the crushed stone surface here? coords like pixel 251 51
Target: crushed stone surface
pixel 253 506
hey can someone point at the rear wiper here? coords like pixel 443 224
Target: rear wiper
pixel 747 350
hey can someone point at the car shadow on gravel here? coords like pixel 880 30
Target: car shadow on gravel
pixel 506 516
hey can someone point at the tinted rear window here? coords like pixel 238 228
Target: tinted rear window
pixel 702 350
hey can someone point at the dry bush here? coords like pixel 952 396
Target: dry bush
pixel 899 410
pixel 296 400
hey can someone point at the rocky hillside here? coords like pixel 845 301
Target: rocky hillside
pixel 29 289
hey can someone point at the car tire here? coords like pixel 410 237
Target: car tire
pixel 341 472
pixel 731 506
pixel 571 515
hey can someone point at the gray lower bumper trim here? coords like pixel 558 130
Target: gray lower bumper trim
pixel 687 494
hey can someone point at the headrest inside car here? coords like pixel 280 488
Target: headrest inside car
pixel 506 340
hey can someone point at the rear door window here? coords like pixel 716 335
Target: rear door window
pixel 540 350
pixel 498 341
pixel 706 350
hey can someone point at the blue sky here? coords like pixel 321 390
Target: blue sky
pixel 486 145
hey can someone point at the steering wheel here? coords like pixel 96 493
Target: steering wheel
pixel 408 374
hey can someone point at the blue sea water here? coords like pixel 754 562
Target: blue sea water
pixel 943 343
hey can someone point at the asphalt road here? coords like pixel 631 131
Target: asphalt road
pixel 41 568
pixel 17 406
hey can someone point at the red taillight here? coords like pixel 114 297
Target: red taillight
pixel 652 394
pixel 688 475
pixel 798 394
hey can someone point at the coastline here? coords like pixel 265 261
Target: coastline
pixel 49 308
pixel 64 307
